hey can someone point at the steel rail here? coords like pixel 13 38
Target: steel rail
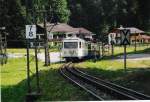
pixel 63 73
pixel 117 93
pixel 136 95
pixel 130 91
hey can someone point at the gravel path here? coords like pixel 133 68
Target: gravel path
pixel 136 57
pixel 54 56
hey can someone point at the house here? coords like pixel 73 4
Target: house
pixel 82 33
pixel 144 38
pixel 137 36
pixel 56 32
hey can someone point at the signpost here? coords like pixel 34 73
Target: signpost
pixel 125 40
pixel 30 31
pixel 31 36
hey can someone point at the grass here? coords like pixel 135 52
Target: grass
pixel 131 49
pixel 142 49
pixel 114 65
pixel 136 77
pixel 18 50
pixel 23 50
pixel 53 86
pixel 118 50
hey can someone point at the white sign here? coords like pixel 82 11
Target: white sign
pixel 50 35
pixel 125 36
pixel 30 31
pixel 112 38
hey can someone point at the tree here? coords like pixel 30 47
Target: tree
pixel 59 9
pixel 143 14
pixel 100 14
pixel 12 18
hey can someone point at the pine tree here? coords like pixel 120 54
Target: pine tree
pixel 60 9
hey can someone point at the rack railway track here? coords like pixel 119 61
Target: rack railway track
pixel 100 89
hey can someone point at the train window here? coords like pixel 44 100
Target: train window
pixel 79 44
pixel 70 45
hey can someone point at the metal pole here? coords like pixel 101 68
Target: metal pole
pixel 112 50
pixel 28 68
pixel 5 48
pixel 99 50
pixel 47 58
pixel 28 65
pixel 102 49
pixel 60 51
pixel 125 58
pixel 36 59
pixel 95 54
pixel 1 48
pixel 135 43
pixel 37 72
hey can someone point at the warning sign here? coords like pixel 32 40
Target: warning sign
pixel 125 36
pixel 30 31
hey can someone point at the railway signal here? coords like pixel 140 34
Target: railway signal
pixel 125 40
pixel 125 36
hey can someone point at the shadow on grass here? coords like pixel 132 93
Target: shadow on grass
pixel 13 93
pixel 134 78
pixel 53 88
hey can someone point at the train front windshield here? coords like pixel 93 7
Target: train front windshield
pixel 70 45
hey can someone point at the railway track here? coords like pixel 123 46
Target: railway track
pixel 100 89
pixel 64 71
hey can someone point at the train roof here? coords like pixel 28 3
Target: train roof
pixel 73 38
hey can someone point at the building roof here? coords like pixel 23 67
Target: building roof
pixel 83 31
pixel 59 27
pixel 133 30
pixel 65 28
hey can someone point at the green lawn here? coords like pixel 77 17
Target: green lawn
pixel 23 50
pixel 53 85
pixel 131 49
pixel 137 76
pixel 138 71
pixel 113 66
